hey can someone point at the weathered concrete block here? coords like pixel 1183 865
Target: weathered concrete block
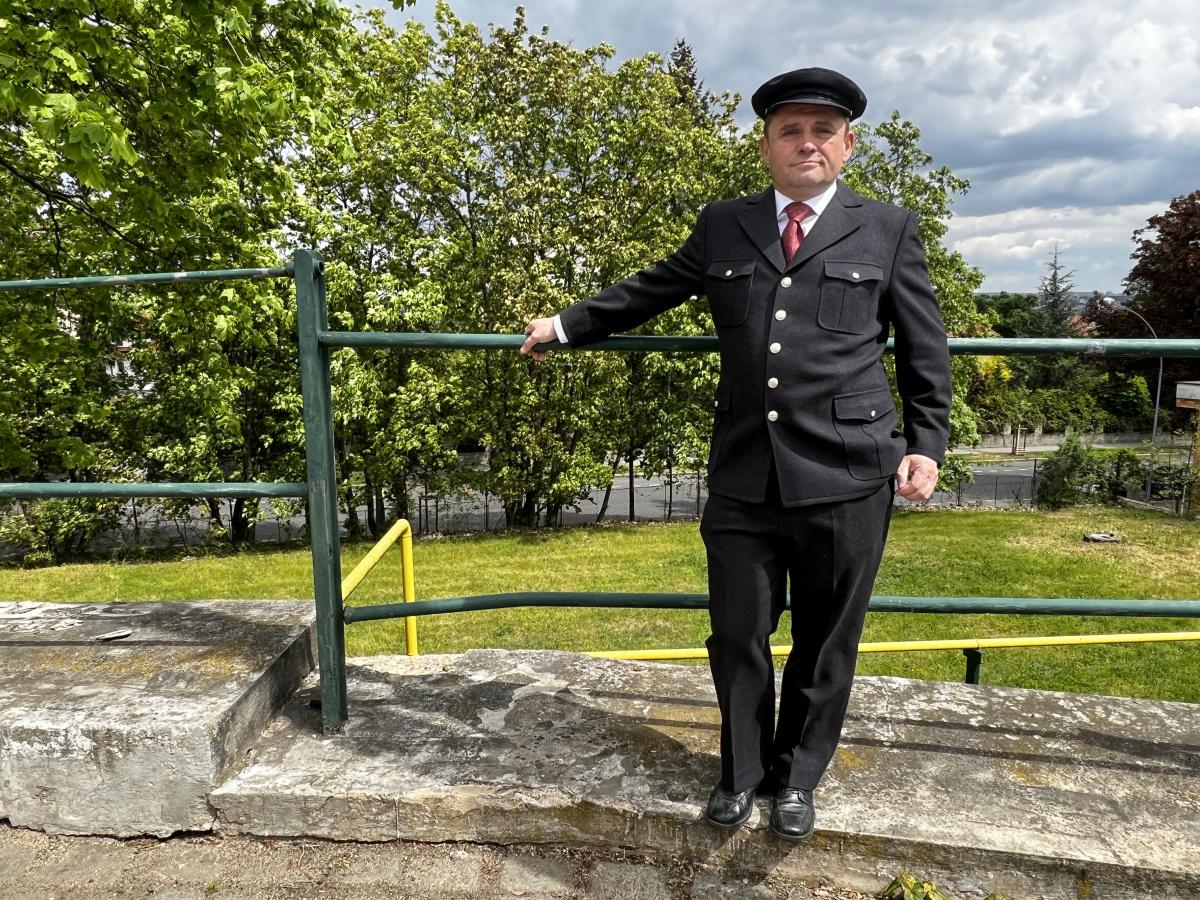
pixel 128 736
pixel 1036 793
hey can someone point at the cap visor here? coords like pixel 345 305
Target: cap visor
pixel 809 101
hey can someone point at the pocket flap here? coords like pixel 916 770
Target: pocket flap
pixel 853 271
pixel 728 269
pixel 869 406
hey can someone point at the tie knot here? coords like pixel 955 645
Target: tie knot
pixel 797 211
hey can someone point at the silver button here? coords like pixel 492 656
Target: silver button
pixel 717 403
pixel 772 416
pixel 729 272
pixel 786 282
pixel 776 347
pixel 872 414
pixel 852 275
pixel 781 314
pixel 772 382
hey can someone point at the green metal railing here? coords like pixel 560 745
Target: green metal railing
pixel 307 269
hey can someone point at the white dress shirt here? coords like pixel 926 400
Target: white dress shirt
pixel 817 204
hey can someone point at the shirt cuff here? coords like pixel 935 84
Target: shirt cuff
pixel 558 329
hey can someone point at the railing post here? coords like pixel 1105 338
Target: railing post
pixel 322 487
pixel 974 664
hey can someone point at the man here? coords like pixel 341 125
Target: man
pixel 804 282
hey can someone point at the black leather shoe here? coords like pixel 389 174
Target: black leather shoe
pixel 726 809
pixel 792 815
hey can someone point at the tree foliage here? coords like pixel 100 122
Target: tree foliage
pixel 153 136
pixel 1162 286
pixel 455 180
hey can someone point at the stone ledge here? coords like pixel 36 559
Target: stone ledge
pixel 128 736
pixel 1032 793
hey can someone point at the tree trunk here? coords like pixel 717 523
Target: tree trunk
pixel 214 512
pixel 608 490
pixel 400 505
pixel 373 523
pixel 670 490
pixel 241 529
pixel 380 509
pixel 353 525
pixel 522 513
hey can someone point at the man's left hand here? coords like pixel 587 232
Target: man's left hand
pixel 916 478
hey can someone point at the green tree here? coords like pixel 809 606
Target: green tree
pixel 889 165
pixel 558 176
pixel 1162 287
pixel 141 137
pixel 1056 300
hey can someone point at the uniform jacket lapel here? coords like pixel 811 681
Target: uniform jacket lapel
pixel 840 218
pixel 759 222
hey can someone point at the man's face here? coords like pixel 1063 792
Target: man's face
pixel 805 148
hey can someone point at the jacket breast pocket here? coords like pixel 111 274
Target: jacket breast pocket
pixel 849 293
pixel 728 284
pixel 864 421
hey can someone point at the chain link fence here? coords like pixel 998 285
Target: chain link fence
pixel 656 499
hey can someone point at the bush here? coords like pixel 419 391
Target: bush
pixel 1063 478
pixel 954 474
pixel 1076 473
pixel 54 530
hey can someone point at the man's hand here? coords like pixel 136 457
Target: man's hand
pixel 539 331
pixel 916 478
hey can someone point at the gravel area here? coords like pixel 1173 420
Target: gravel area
pixel 36 865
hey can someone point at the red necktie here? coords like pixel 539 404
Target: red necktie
pixel 793 235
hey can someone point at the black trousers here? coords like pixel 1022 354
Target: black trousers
pixel 831 552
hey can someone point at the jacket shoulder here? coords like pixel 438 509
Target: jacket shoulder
pixel 734 206
pixel 886 212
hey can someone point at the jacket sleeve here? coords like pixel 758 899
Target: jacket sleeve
pixel 640 297
pixel 921 352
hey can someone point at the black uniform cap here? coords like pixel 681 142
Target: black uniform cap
pixel 820 87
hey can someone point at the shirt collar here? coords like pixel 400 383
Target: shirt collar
pixel 817 204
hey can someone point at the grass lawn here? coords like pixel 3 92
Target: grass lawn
pixel 1015 553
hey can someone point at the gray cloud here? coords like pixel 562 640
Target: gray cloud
pixel 1076 122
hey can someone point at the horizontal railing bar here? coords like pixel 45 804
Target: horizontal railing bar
pixel 149 489
pixel 1011 643
pixel 49 284
pixel 508 601
pixel 693 344
pixel 1042 606
pixel 961 605
pixel 1123 347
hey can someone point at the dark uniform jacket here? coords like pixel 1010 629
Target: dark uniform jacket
pixel 802 383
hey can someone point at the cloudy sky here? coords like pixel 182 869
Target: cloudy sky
pixel 1075 122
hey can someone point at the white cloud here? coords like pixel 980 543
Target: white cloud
pixel 1012 248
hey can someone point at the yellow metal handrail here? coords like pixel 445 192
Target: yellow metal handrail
pixel 401 531
pixel 959 644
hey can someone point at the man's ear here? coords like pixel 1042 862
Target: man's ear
pixel 763 144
